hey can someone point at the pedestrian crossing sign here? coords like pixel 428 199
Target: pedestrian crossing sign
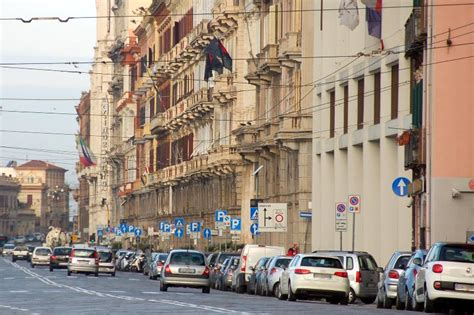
pixel 254 213
pixel 179 222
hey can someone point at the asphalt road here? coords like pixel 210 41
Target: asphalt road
pixel 37 291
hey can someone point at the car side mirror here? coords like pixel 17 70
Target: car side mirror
pixel 417 261
pixel 379 269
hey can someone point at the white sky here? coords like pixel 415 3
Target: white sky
pixel 43 41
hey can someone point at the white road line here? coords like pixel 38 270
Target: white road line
pixel 14 308
pixel 8 278
pixel 18 291
pixel 151 292
pixel 117 291
pixel 132 279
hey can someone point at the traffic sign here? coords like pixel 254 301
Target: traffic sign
pixel 220 225
pixel 220 215
pixel 254 229
pixel 235 226
pixel 179 233
pixel 100 233
pixel 354 204
pixel 306 214
pixel 131 229
pixel 138 232
pixel 195 227
pixel 341 225
pixel 118 232
pixel 400 186
pixel 227 219
pixel 165 227
pixel 341 211
pixel 207 234
pixel 272 217
pixel 254 213
pixel 124 228
pixel 179 222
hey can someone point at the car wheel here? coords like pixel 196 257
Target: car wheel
pixel 96 274
pixel 206 290
pixel 408 303
pixel 13 259
pixel 414 304
pixel 368 300
pixel 379 302
pixel 386 301
pixel 32 265
pixel 163 287
pixel 429 304
pixel 51 269
pixel 291 295
pixel 113 274
pixel 352 296
pixel 344 300
pixel 399 305
pixel 277 291
pixel 68 273
pixel 332 300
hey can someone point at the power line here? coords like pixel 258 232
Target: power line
pixel 69 18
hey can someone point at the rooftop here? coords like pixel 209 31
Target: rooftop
pixel 39 165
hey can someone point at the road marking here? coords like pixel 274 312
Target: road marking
pixel 9 278
pixel 117 291
pixel 14 308
pixel 151 292
pixel 18 291
pixel 133 279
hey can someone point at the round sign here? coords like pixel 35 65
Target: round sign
pixel 471 238
pixel 471 184
pixel 354 200
pixel 341 207
pixel 279 218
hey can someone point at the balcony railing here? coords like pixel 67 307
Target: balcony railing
pixel 415 31
pixel 157 122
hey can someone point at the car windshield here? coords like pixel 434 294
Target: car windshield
pixel 187 258
pixel 105 256
pixel 223 257
pixel 62 251
pixel 86 253
pixel 321 262
pixel 21 248
pixel 463 254
pixel 282 263
pixel 9 246
pixel 367 263
pixel 402 262
pixel 162 257
pixel 42 252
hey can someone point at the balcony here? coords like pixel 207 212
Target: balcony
pixel 224 90
pixel 268 63
pixel 415 32
pixel 294 128
pixel 127 98
pixel 157 123
pixel 290 50
pixel 200 37
pixel 414 150
pixel 225 17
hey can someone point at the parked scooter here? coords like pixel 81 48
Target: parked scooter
pixel 137 263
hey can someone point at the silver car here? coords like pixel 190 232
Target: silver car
pixel 185 268
pixel 84 260
pixel 106 262
pixel 41 256
pixel 387 287
pixel 363 274
pixel 8 249
pixel 156 265
pixel 270 279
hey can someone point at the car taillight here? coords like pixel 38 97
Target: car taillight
pixel 244 264
pixel 437 268
pixel 300 271
pixel 205 273
pixel 273 270
pixel 72 254
pixel 167 269
pixel 70 259
pixel 341 274
pixel 159 264
pixel 393 274
pixel 54 257
pixel 358 277
pixel 437 285
pixel 415 272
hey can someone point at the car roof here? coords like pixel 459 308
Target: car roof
pixel 186 251
pixel 342 252
pixel 454 244
pixel 317 255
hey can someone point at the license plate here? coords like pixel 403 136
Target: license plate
pixel 321 276
pixel 187 270
pixel 464 287
pixel 370 285
pixel 83 261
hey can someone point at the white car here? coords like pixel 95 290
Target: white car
pixel 446 279
pixel 41 256
pixel 272 275
pixel 316 276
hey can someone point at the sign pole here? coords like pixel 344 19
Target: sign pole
pixel 340 241
pixel 353 230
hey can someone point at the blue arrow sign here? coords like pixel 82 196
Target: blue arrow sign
pixel 131 229
pixel 235 224
pixel 100 233
pixel 118 232
pixel 400 186
pixel 124 228
pixel 179 222
pixel 254 214
pixel 138 232
pixel 254 229
pixel 179 233
pixel 207 234
pixel 220 215
pixel 195 226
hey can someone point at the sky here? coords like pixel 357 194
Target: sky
pixel 43 41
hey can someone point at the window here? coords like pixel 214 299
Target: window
pixel 394 92
pixel 457 253
pixel 175 94
pixel 142 115
pixel 187 259
pixel 322 262
pixel 349 263
pixel 152 107
pixel 360 104
pixel 152 161
pixel 367 263
pixel 346 108
pixel 402 262
pixel 377 98
pixel 29 200
pixel 133 78
pixel 332 113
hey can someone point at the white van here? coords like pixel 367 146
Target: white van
pixel 249 256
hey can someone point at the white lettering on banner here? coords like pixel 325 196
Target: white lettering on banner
pixel 104 147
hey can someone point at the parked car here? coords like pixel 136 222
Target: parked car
pixel 388 283
pixel 216 265
pixel 31 248
pixel 149 261
pixel 40 256
pixel 363 274
pixel 225 280
pixel 106 262
pixel 30 238
pixel 3 240
pixel 119 255
pixel 406 282
pixel 59 258
pixel 257 272
pixel 20 239
pixel 84 260
pixel 211 258
pixel 446 279
pixel 315 276
pixel 8 249
pixel 271 277
pixel 186 268
pixel 20 253
pixel 157 265
pixel 219 273
pixel 249 256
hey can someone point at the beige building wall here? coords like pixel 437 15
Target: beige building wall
pixel 362 161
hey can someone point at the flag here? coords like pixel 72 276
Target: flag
pixel 85 155
pixel 217 58
pixel 373 16
pixel 349 14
